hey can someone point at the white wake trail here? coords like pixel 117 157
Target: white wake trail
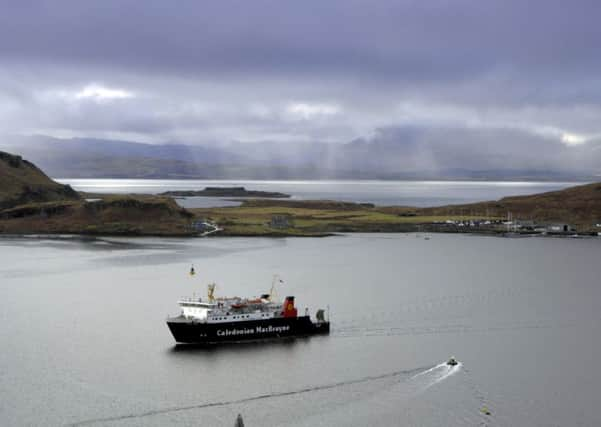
pixel 432 369
pixel 443 372
pixel 422 381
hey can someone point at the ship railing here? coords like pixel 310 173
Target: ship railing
pixel 196 300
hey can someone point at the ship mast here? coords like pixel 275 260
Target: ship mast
pixel 211 291
pixel 272 292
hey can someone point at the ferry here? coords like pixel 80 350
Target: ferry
pixel 221 320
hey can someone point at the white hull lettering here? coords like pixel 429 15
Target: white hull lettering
pixel 248 331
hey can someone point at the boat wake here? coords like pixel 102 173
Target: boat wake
pixel 413 381
pixel 436 374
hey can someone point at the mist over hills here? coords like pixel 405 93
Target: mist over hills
pixel 266 90
pixel 408 153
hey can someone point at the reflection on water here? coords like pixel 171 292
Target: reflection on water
pixel 243 346
pixel 85 341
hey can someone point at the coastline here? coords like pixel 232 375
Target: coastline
pixel 154 216
pixel 33 204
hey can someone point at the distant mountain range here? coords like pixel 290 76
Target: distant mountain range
pixel 387 156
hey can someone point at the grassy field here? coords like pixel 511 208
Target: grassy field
pixel 311 221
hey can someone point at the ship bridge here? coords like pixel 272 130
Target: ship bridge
pixel 196 308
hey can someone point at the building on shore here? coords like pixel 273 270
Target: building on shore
pixel 560 228
pixel 281 221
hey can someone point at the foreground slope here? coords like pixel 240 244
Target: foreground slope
pixel 22 182
pixel 113 215
pixel 30 202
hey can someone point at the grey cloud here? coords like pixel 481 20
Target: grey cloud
pixel 393 39
pixel 450 83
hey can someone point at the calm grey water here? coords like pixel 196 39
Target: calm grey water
pixel 84 340
pixel 408 193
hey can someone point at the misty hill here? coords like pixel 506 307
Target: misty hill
pixel 390 154
pixel 99 158
pixel 22 182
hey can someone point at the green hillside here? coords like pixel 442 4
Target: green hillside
pixel 22 182
pixel 579 206
pixel 113 215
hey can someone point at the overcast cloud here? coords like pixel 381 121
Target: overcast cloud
pixel 311 71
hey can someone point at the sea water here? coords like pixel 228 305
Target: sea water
pixel 84 339
pixel 406 193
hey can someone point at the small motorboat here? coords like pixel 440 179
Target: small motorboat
pixel 452 362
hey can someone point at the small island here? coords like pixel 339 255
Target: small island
pixel 226 192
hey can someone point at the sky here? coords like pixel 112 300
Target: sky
pixel 302 72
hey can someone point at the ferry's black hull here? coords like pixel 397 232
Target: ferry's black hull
pixel 188 332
